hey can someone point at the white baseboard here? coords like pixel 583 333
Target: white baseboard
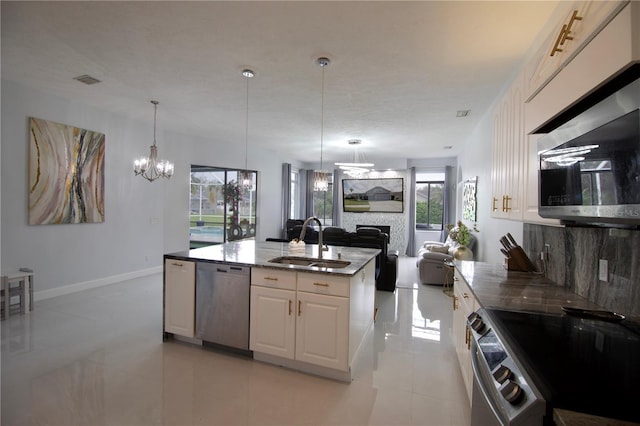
pixel 73 288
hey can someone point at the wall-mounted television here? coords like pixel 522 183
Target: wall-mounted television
pixel 373 195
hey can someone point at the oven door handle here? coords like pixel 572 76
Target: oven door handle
pixel 481 386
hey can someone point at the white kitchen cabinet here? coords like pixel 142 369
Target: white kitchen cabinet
pixel 613 49
pixel 311 322
pixel 322 330
pixel 508 146
pixel 464 303
pixel 273 316
pixel 582 20
pixel 179 297
pixel 273 321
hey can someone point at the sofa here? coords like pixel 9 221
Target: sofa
pixel 434 260
pixel 386 260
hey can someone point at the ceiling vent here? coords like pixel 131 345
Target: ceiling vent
pixel 463 113
pixel 87 79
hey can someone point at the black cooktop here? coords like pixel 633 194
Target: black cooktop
pixel 583 365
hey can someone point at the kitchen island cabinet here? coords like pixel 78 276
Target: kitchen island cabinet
pixel 179 297
pixel 311 322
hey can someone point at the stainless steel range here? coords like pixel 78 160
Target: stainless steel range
pixel 526 365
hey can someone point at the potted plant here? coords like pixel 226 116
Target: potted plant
pixel 461 234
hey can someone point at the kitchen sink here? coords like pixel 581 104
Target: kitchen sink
pixel 310 261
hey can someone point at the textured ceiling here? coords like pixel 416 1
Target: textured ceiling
pixel 399 70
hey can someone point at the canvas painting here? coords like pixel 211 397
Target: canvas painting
pixel 469 200
pixel 66 174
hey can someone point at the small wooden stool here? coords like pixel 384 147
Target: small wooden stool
pixel 16 284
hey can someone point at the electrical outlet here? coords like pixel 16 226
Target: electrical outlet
pixel 603 270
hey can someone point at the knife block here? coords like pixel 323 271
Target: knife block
pixel 519 261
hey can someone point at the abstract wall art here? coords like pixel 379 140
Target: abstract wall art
pixel 66 174
pixel 469 199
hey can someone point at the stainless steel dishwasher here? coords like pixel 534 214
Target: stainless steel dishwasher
pixel 222 304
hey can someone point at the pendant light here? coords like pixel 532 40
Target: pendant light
pixel 359 167
pixel 150 167
pixel 246 176
pixel 321 177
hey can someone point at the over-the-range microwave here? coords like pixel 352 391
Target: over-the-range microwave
pixel 590 166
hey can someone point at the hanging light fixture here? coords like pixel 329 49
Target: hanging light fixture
pixel 321 177
pixel 246 176
pixel 359 166
pixel 150 167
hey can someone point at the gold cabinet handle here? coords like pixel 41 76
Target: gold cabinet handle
pixel 290 310
pixel 574 17
pixel 455 299
pixel 299 308
pixel 321 284
pixel 177 264
pixel 465 295
pixel 493 206
pixel 505 203
pixel 468 342
pixel 270 279
pixel 559 41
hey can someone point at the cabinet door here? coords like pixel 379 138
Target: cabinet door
pixel 584 20
pixel 322 330
pixel 463 304
pixel 508 146
pixel 273 320
pixel 179 297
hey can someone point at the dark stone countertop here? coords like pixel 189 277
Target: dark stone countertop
pixel 252 253
pixel 496 287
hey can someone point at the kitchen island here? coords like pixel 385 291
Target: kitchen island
pixel 296 309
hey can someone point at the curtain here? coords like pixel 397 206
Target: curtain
pixel 337 198
pixel 449 204
pixel 286 198
pixel 308 194
pixel 411 240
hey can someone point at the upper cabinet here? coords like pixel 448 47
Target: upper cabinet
pixel 608 43
pixel 508 149
pixel 582 21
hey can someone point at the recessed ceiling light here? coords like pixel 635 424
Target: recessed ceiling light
pixel 463 113
pixel 87 79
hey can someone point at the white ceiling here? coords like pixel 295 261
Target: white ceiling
pixel 399 70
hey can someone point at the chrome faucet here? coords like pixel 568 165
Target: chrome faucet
pixel 321 246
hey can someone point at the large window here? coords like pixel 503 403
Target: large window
pixel 429 202
pixel 220 208
pixel 295 194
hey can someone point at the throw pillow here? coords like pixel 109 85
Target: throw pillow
pixel 439 249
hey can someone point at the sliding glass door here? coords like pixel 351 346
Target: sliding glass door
pixel 221 209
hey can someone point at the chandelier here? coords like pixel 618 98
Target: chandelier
pixel 359 166
pixel 246 177
pixel 321 177
pixel 150 167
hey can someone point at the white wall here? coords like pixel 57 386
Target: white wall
pixel 143 220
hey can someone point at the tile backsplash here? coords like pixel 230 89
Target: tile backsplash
pixel 575 254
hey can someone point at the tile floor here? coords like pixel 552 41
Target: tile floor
pixel 96 357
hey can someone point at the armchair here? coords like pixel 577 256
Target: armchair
pixel 433 258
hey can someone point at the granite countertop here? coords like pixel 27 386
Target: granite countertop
pixel 252 253
pixel 495 287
